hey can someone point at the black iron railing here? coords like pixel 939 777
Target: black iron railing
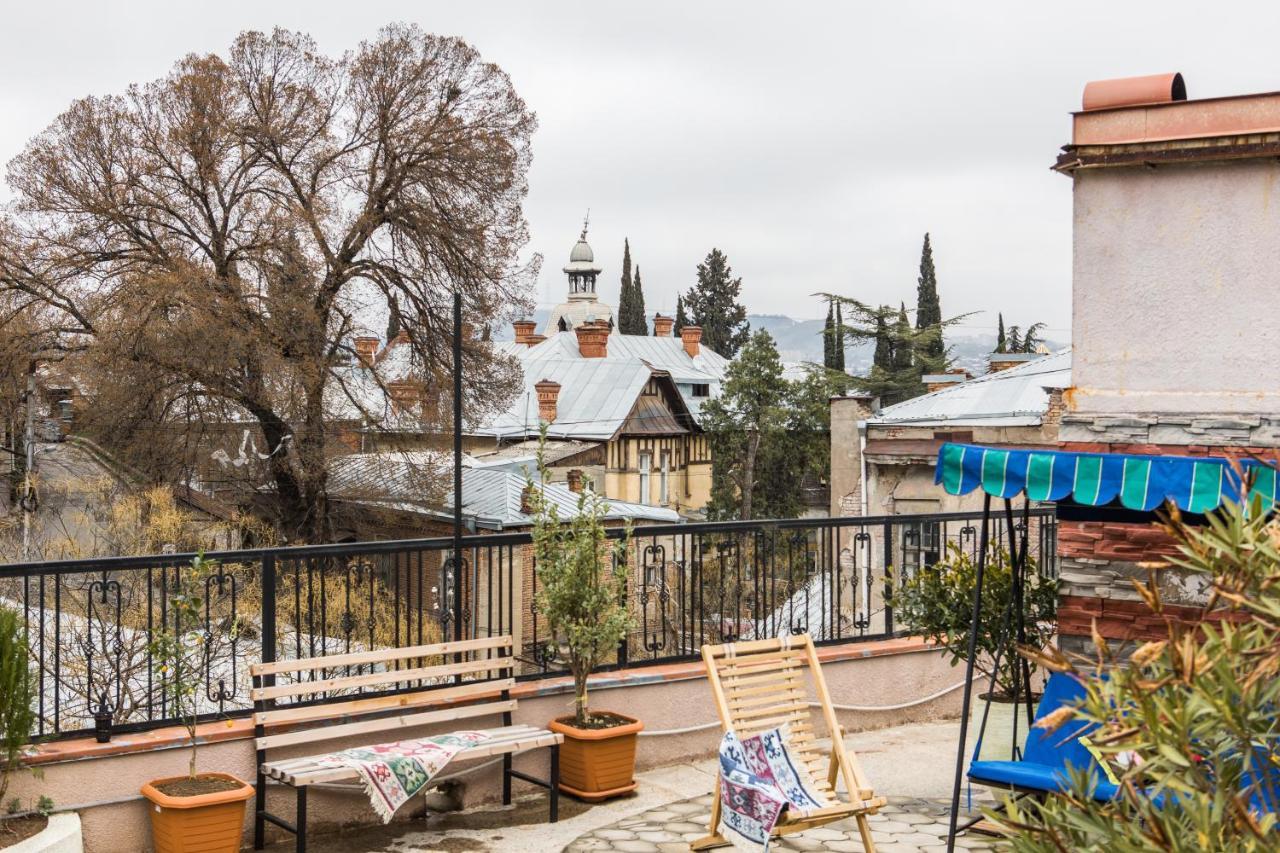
pixel 90 622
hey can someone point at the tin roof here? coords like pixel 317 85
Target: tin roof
pixel 1013 397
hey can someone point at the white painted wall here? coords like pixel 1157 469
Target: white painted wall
pixel 1177 289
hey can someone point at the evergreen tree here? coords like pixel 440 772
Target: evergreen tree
pixel 1015 339
pixel 903 355
pixel 393 320
pixel 928 306
pixel 682 319
pixel 631 319
pixel 839 342
pixel 713 304
pixel 883 358
pixel 639 323
pixel 1031 337
pixel 750 414
pixel 829 339
pixel 1001 343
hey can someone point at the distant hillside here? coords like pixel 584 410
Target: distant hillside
pixel 801 340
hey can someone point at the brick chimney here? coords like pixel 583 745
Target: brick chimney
pixel 938 381
pixel 593 339
pixel 662 326
pixel 524 331
pixel 366 349
pixel 692 338
pixel 999 361
pixel 534 340
pixel 405 396
pixel 548 392
pixel 526 499
pixel 574 480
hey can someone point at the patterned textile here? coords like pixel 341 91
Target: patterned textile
pixel 759 779
pixel 393 772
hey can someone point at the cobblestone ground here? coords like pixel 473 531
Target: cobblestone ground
pixel 906 825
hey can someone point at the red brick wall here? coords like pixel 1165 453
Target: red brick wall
pixel 1107 540
pixel 1124 620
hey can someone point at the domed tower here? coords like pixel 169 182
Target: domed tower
pixel 582 305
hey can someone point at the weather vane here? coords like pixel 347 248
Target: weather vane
pixel 586 220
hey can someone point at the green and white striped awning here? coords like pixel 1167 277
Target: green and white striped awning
pixel 1195 484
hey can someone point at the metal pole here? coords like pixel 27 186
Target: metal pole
pixel 28 489
pixel 457 464
pixel 968 672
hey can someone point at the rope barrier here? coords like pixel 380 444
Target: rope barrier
pixel 865 708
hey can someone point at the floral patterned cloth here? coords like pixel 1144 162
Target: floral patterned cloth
pixel 759 780
pixel 393 772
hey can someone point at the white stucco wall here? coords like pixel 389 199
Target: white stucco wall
pixel 1177 289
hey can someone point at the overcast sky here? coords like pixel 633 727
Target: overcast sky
pixel 813 143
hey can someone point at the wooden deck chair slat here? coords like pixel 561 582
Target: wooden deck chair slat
pixel 765 710
pixel 379 656
pixel 374 679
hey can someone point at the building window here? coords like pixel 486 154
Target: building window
pixel 646 463
pixel 664 477
pixel 702 390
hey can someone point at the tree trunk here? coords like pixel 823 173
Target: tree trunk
pixel 749 473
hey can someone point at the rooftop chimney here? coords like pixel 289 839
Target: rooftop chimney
pixel 524 331
pixel 405 396
pixel 662 326
pixel 999 361
pixel 548 392
pixel 526 499
pixel 366 350
pixel 1134 91
pixel 534 340
pixel 593 339
pixel 574 480
pixel 692 338
pixel 938 381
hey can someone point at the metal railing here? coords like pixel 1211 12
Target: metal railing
pixel 90 622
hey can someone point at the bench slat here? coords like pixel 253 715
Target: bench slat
pixel 379 655
pixel 375 678
pixel 384 724
pixel 370 705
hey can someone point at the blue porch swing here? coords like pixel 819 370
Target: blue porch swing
pixel 1138 484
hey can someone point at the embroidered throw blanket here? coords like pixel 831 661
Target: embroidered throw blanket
pixel 393 772
pixel 759 780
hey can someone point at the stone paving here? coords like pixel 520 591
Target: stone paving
pixel 906 825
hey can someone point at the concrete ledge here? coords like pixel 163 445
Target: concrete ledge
pixel 62 835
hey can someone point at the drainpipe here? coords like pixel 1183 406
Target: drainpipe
pixel 862 459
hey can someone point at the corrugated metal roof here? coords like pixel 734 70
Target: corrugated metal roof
pixel 419 482
pixel 1013 397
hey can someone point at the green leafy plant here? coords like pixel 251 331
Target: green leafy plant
pixel 17 713
pixel 180 648
pixel 1190 727
pixel 937 602
pixel 581 582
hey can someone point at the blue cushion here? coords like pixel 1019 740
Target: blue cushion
pixel 1035 777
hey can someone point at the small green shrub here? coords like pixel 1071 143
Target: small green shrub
pixel 937 602
pixel 579 593
pixel 17 711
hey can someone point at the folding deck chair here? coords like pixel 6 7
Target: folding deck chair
pixel 758 685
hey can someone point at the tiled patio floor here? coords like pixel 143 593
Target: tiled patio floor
pixel 905 825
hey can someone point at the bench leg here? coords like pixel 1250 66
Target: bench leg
pixel 506 779
pixel 301 820
pixel 260 807
pixel 555 782
pixel 864 830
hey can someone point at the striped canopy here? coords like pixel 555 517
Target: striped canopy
pixel 1195 484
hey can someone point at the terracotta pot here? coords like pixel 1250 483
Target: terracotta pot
pixel 208 823
pixel 596 764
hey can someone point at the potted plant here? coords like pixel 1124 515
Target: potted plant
pixel 198 811
pixel 583 600
pixel 937 602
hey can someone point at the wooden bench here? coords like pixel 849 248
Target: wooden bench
pixel 325 706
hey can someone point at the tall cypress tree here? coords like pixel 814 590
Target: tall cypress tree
pixel 883 357
pixel 630 314
pixel 829 339
pixel 903 356
pixel 1002 343
pixel 682 319
pixel 839 340
pixel 638 322
pixel 928 306
pixel 713 304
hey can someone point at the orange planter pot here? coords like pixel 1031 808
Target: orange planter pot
pixel 209 823
pixel 596 764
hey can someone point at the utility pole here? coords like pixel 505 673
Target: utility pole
pixel 28 499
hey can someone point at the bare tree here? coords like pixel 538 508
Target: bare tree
pixel 203 245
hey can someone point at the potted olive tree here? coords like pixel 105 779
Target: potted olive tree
pixel 937 602
pixel 211 805
pixel 581 595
